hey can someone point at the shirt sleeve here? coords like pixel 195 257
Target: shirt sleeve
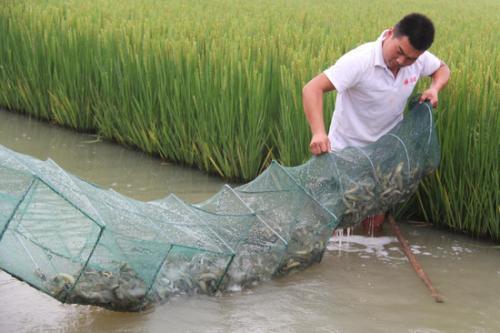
pixel 430 63
pixel 346 72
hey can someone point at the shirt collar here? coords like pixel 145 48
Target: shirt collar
pixel 379 57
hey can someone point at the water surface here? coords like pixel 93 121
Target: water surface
pixel 363 284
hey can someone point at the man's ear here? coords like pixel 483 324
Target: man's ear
pixel 390 32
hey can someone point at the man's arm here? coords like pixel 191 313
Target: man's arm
pixel 439 79
pixel 312 99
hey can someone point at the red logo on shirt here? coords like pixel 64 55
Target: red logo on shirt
pixel 412 79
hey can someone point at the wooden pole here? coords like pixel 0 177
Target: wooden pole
pixel 413 260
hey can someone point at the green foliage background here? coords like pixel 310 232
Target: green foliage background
pixel 217 84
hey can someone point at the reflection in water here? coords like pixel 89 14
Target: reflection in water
pixel 362 285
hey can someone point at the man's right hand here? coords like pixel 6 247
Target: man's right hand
pixel 312 98
pixel 320 144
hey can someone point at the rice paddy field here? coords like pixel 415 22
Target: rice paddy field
pixel 217 84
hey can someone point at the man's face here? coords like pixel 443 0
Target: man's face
pixel 398 52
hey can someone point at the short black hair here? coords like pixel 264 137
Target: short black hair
pixel 418 28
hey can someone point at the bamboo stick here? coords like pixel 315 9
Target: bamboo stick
pixel 413 260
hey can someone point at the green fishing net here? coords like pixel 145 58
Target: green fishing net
pixel 84 244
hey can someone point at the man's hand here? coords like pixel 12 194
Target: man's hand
pixel 312 98
pixel 439 79
pixel 432 95
pixel 320 144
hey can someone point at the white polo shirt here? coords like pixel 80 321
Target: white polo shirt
pixel 370 100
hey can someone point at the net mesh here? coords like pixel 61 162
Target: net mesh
pixel 84 244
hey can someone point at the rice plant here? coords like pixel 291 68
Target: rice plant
pixel 217 84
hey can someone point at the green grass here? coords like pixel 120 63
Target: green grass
pixel 217 84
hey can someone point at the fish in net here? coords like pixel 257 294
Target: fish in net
pixel 84 244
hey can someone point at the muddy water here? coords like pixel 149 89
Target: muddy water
pixel 364 284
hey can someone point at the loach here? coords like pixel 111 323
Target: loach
pixel 84 244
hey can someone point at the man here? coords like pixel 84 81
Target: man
pixel 373 82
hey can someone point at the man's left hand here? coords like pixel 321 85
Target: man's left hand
pixel 432 95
